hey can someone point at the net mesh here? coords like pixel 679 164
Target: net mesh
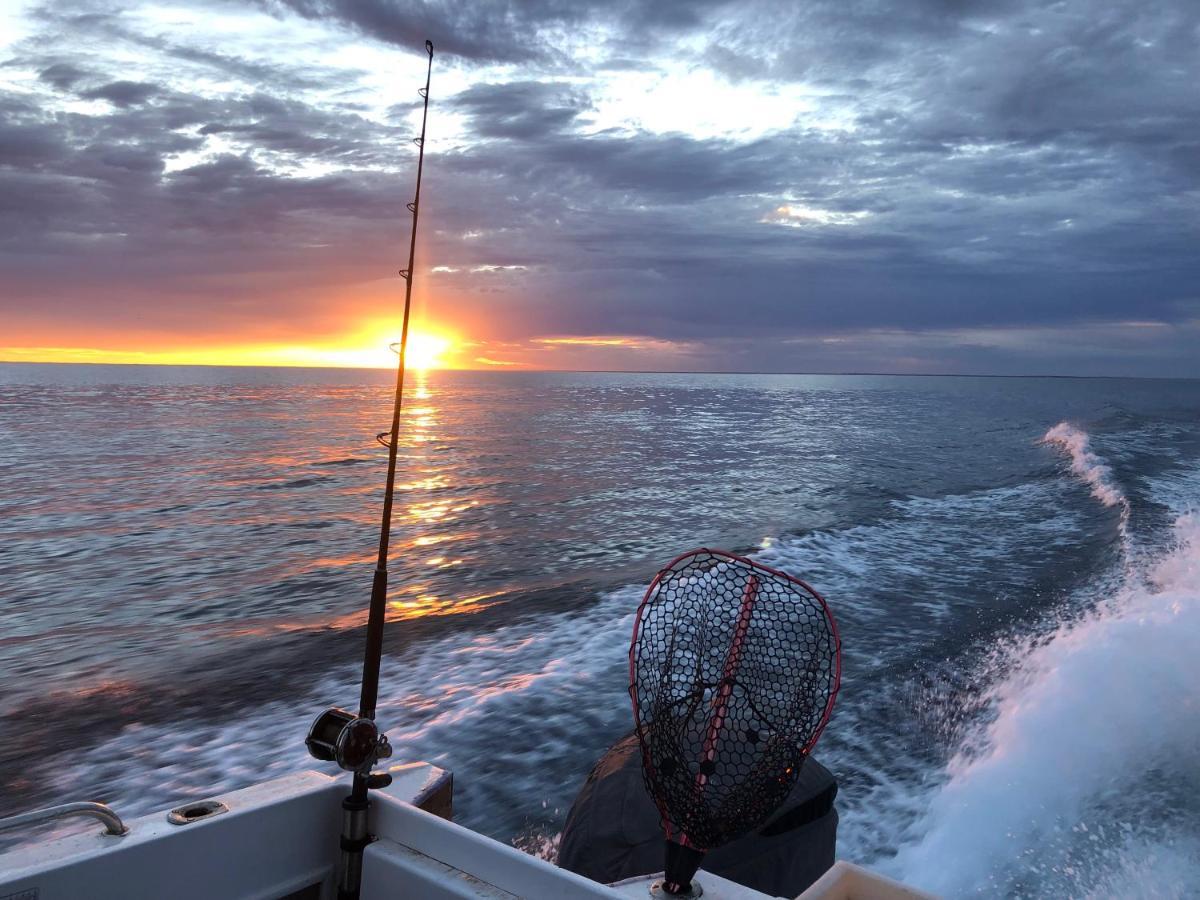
pixel 734 668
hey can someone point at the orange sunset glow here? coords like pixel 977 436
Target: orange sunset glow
pixel 426 350
pixel 431 346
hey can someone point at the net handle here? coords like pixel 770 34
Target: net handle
pixel 721 701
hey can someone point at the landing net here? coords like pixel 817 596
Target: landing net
pixel 734 668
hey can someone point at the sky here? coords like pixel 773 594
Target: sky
pixel 934 186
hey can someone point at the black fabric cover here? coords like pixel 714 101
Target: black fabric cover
pixel 613 830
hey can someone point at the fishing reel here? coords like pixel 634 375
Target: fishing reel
pixel 351 741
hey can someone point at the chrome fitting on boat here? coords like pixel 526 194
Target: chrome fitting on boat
pixel 351 741
pixel 112 822
pixel 196 812
pixel 659 891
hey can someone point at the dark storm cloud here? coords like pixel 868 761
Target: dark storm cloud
pixel 122 93
pixel 93 23
pixel 27 145
pixel 991 165
pixel 494 32
pixel 62 75
pixel 505 31
pixel 528 110
pixel 297 128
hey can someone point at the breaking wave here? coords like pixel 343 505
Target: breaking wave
pixel 1086 464
pixel 1093 471
pixel 1080 774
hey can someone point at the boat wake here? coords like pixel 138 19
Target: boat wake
pixel 1057 765
pixel 1078 780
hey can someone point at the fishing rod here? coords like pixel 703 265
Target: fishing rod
pixel 354 742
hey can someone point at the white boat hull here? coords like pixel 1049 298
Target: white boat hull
pixel 279 841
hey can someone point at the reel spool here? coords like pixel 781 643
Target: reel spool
pixel 351 741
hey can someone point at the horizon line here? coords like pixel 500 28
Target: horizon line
pixel 514 370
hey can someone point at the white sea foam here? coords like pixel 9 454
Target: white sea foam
pixel 1148 870
pixel 484 687
pixel 1076 725
pixel 949 545
pixel 1086 464
pixel 1178 490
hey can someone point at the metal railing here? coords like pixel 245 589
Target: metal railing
pixel 112 822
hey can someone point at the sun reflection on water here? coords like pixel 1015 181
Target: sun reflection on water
pixel 431 604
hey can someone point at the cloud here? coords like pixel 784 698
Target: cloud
pixel 507 31
pixel 494 32
pixel 122 93
pixel 520 110
pixel 930 168
pixel 62 75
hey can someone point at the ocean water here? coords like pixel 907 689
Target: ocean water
pixel 186 556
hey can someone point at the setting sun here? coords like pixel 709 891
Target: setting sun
pixel 425 351
pixel 371 348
